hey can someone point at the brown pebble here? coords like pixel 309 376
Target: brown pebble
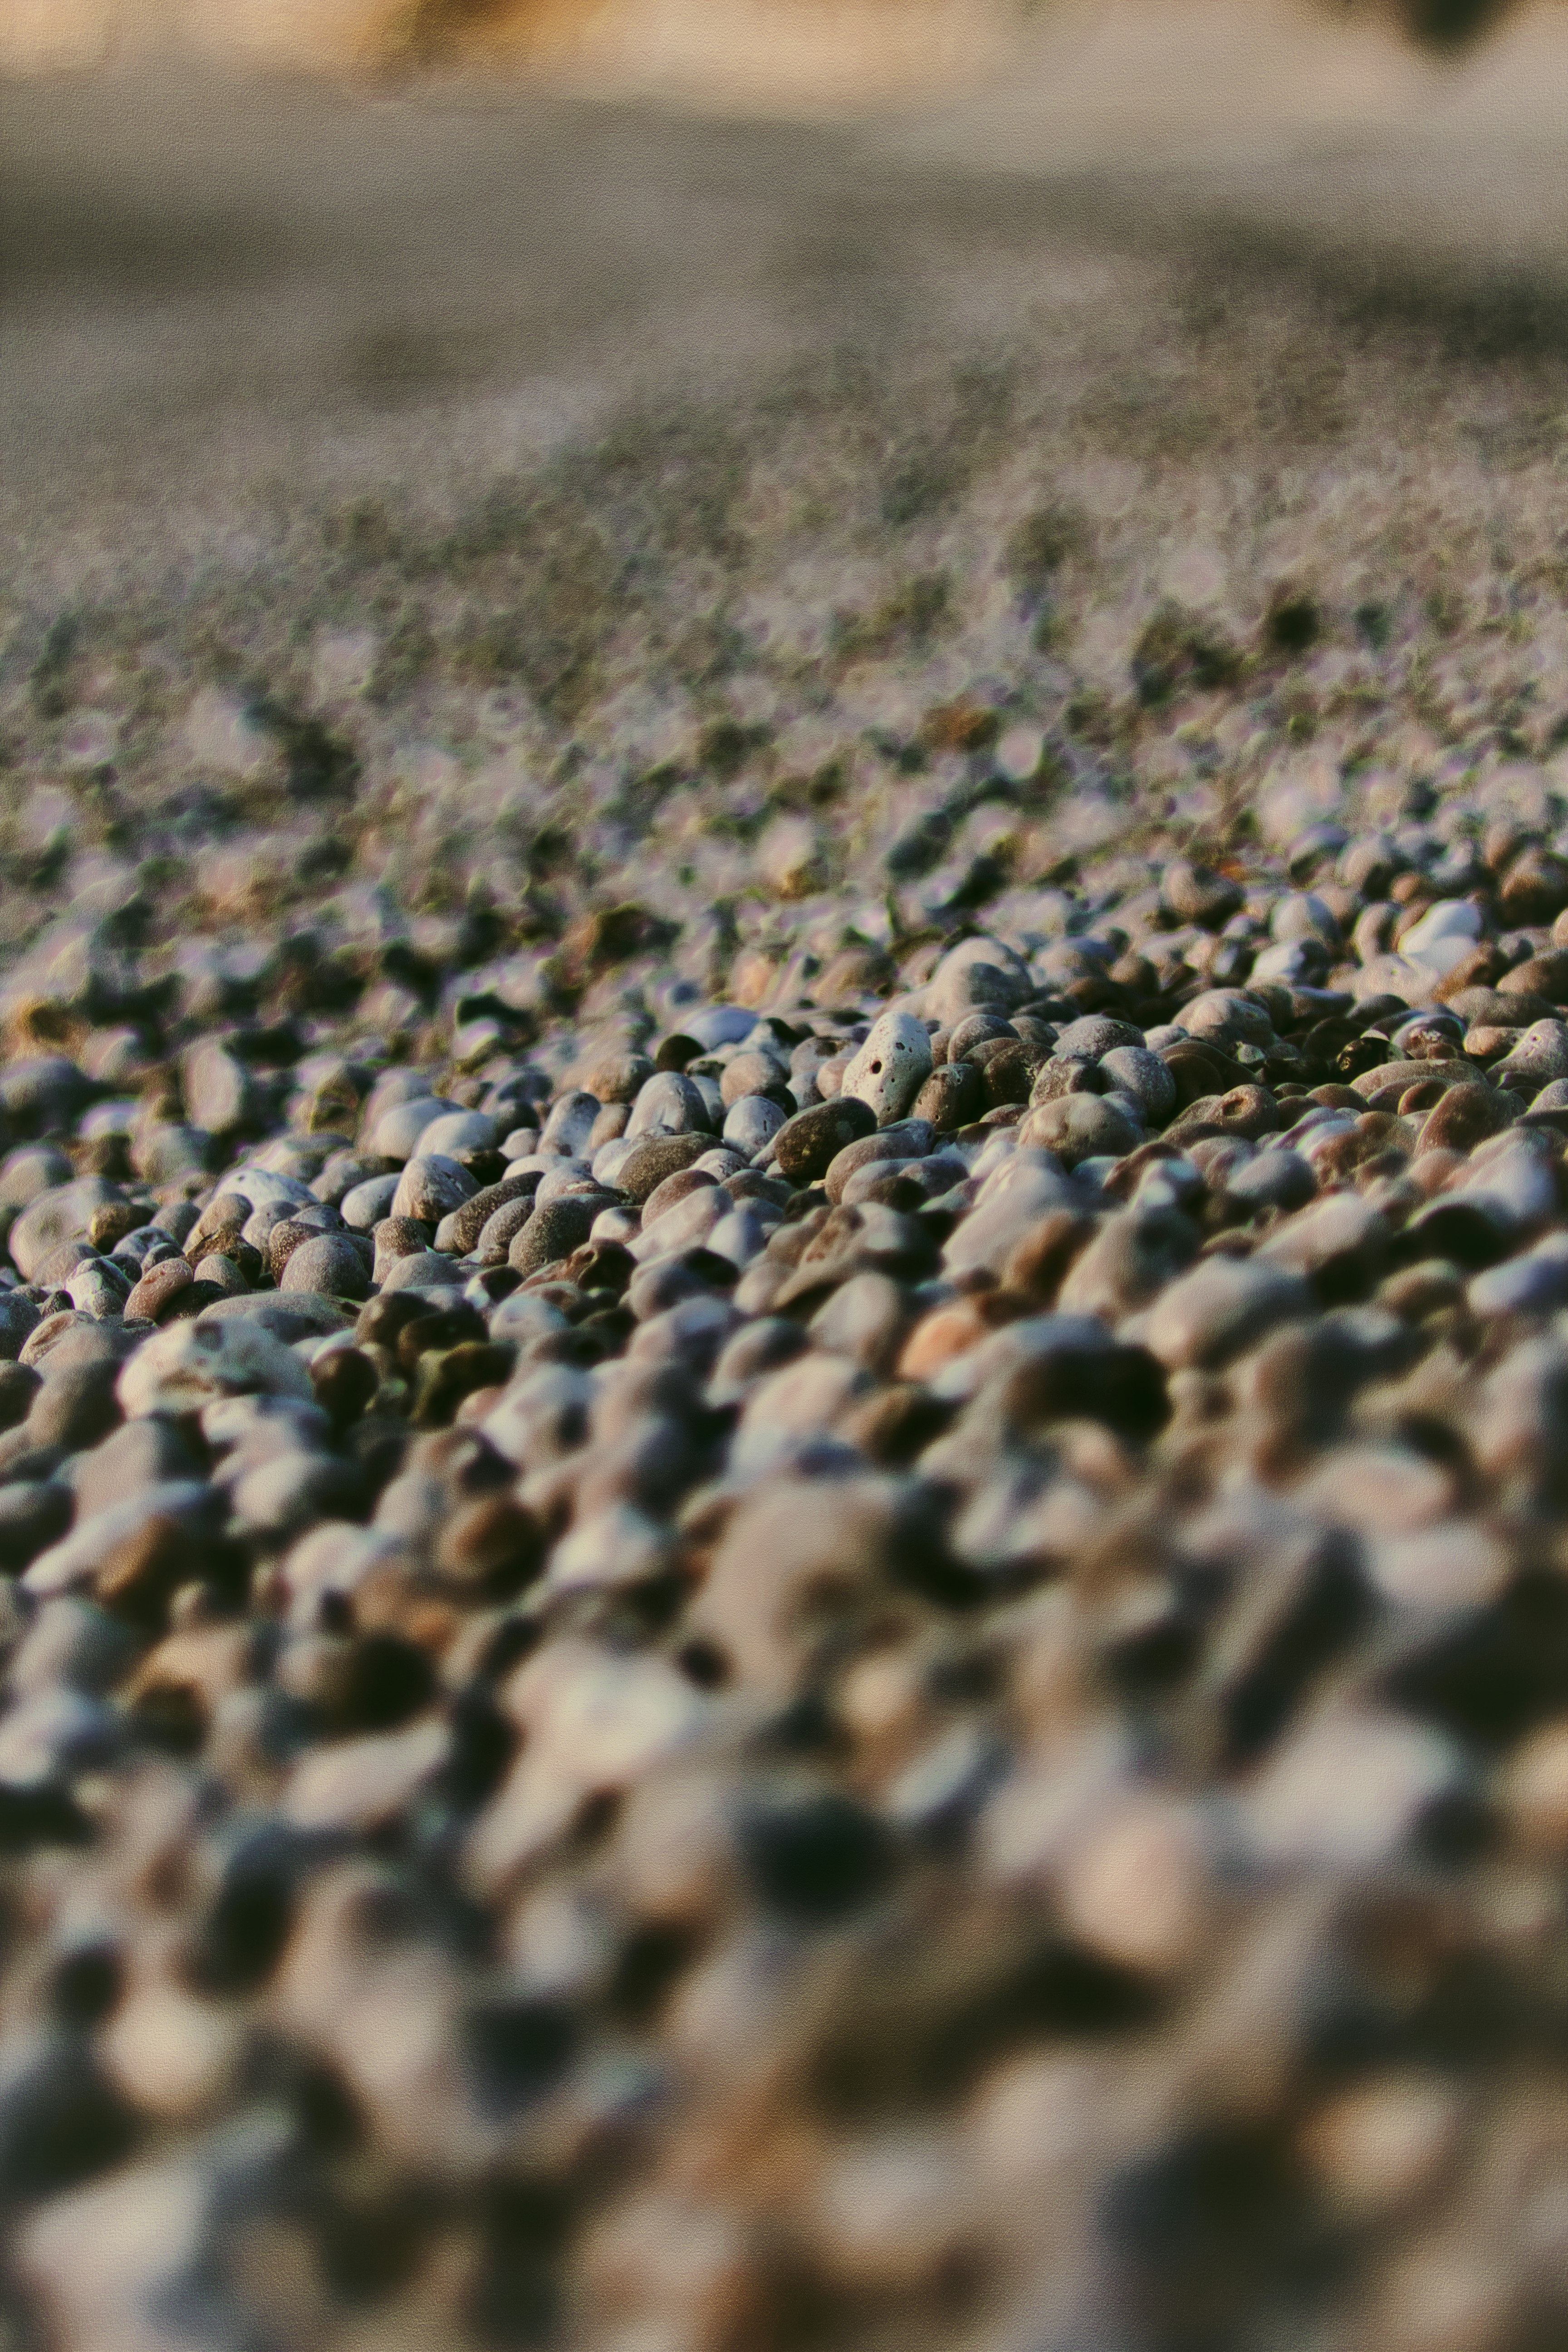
pixel 675 1188
pixel 159 1288
pixel 806 1144
pixel 1466 1117
pixel 653 1159
pixel 113 1221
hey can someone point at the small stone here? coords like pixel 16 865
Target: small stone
pixel 221 1096
pixel 910 1138
pixel 806 1144
pixel 1080 1127
pixel 950 1098
pixel 394 1133
pixel 1535 1788
pixel 430 1188
pixel 1466 1116
pixel 158 1289
pixel 1135 1071
pixel 18 1319
pixel 752 1121
pixel 891 1068
pixel 553 1231
pixel 670 1104
pixel 332 1264
pixel 34 1513
pixel 650 1159
pixel 1195 894
pixel 63 1214
pixel 461 1136
pixel 190 1364
pixel 1221 1309
pixel 364 1205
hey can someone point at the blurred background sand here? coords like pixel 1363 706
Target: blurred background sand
pixel 211 271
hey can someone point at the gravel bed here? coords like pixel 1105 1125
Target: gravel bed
pixel 785 1375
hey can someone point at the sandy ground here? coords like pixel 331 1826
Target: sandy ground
pixel 210 283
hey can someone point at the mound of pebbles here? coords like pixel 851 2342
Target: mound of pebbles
pixel 882 1666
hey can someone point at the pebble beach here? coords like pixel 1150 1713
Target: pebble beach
pixel 783 1323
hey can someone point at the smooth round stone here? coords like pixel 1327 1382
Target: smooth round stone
pixel 60 1214
pixel 341 1173
pixel 396 1132
pixel 720 1024
pixel 1080 1127
pixel 289 1232
pixel 263 1188
pixel 1096 1035
pixel 616 1077
pixel 1221 1309
pixel 221 1273
pixel 1466 1116
pixel 61 1263
pixel 365 1205
pixel 567 1176
pixel 31 1169
pixel 421 1270
pixel 610 1158
pixel 459 1134
pixel 430 1188
pixel 109 1119
pixel 751 1073
pixel 100 1290
pixel 45 1089
pixel 806 1144
pixel 891 1068
pixel 712 1094
pixel 742 1235
pixel 1292 963
pixel 1141 1076
pixel 261 1224
pixel 555 1228
pixel 398 1237
pixel 678 1187
pixel 1523 1285
pixel 752 1121
pixel 160 1286
pixel 34 1513
pixel 621 1226
pixel 1226 1018
pixel 1301 915
pixel 722 1161
pixel 650 1159
pixel 685 1224
pixel 460 1230
pixel 910 1138
pixel 1274 1180
pixel 974 1029
pixel 1540 1054
pixel 1444 934
pixel 758 1348
pixel 502 1228
pixel 18 1318
pixel 1198 894
pixel 570 1122
pixel 190 1364
pixel 670 1104
pixel 331 1264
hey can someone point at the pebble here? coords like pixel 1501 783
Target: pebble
pixel 891 1068
pixel 329 1262
pixel 825 1608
